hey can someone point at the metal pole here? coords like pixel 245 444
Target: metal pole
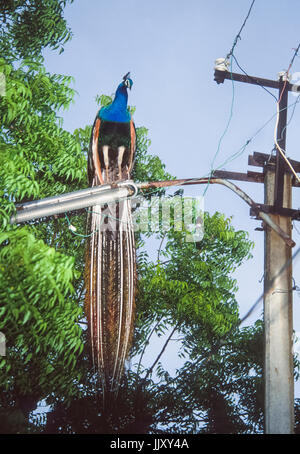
pixel 264 216
pixel 278 315
pixel 40 210
pixel 79 200
pixel 62 197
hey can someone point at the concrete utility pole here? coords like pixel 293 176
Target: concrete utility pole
pixel 278 300
pixel 278 305
pixel 278 319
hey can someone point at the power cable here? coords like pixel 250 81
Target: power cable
pixel 238 36
pixel 230 54
pixel 270 288
pixel 252 78
pixel 243 147
pixel 225 130
pixel 231 158
pixel 294 56
pixel 291 117
pixel 281 151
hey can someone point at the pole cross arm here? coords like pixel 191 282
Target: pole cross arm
pixel 220 76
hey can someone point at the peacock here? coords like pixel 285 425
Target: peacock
pixel 110 271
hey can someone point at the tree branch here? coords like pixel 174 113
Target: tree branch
pixel 159 249
pixel 160 354
pixel 147 343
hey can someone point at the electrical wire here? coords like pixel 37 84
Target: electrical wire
pixel 243 147
pixel 271 284
pixel 281 151
pixel 252 78
pixel 71 227
pixel 270 287
pixel 291 117
pixel 238 36
pixel 294 56
pixel 230 54
pixel 225 130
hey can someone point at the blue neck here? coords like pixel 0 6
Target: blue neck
pixel 117 110
pixel 121 98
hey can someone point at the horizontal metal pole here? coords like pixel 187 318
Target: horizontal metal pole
pixel 101 195
pixel 188 181
pixel 70 196
pixel 41 210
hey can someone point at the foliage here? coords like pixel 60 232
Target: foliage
pixel 217 387
pixel 148 167
pixel 37 155
pixel 193 284
pixel 39 316
pixel 40 283
pixel 29 26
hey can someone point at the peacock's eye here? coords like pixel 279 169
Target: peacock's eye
pixel 127 83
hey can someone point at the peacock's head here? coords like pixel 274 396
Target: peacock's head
pixel 127 82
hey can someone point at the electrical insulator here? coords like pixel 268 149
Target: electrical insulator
pixel 284 76
pixel 221 66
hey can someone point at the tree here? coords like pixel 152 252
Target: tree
pixel 39 266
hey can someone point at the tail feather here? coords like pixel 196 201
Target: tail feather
pixel 110 284
pixel 110 270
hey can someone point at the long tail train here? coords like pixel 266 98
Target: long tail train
pixel 110 271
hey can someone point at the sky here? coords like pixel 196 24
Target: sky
pixel 170 47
